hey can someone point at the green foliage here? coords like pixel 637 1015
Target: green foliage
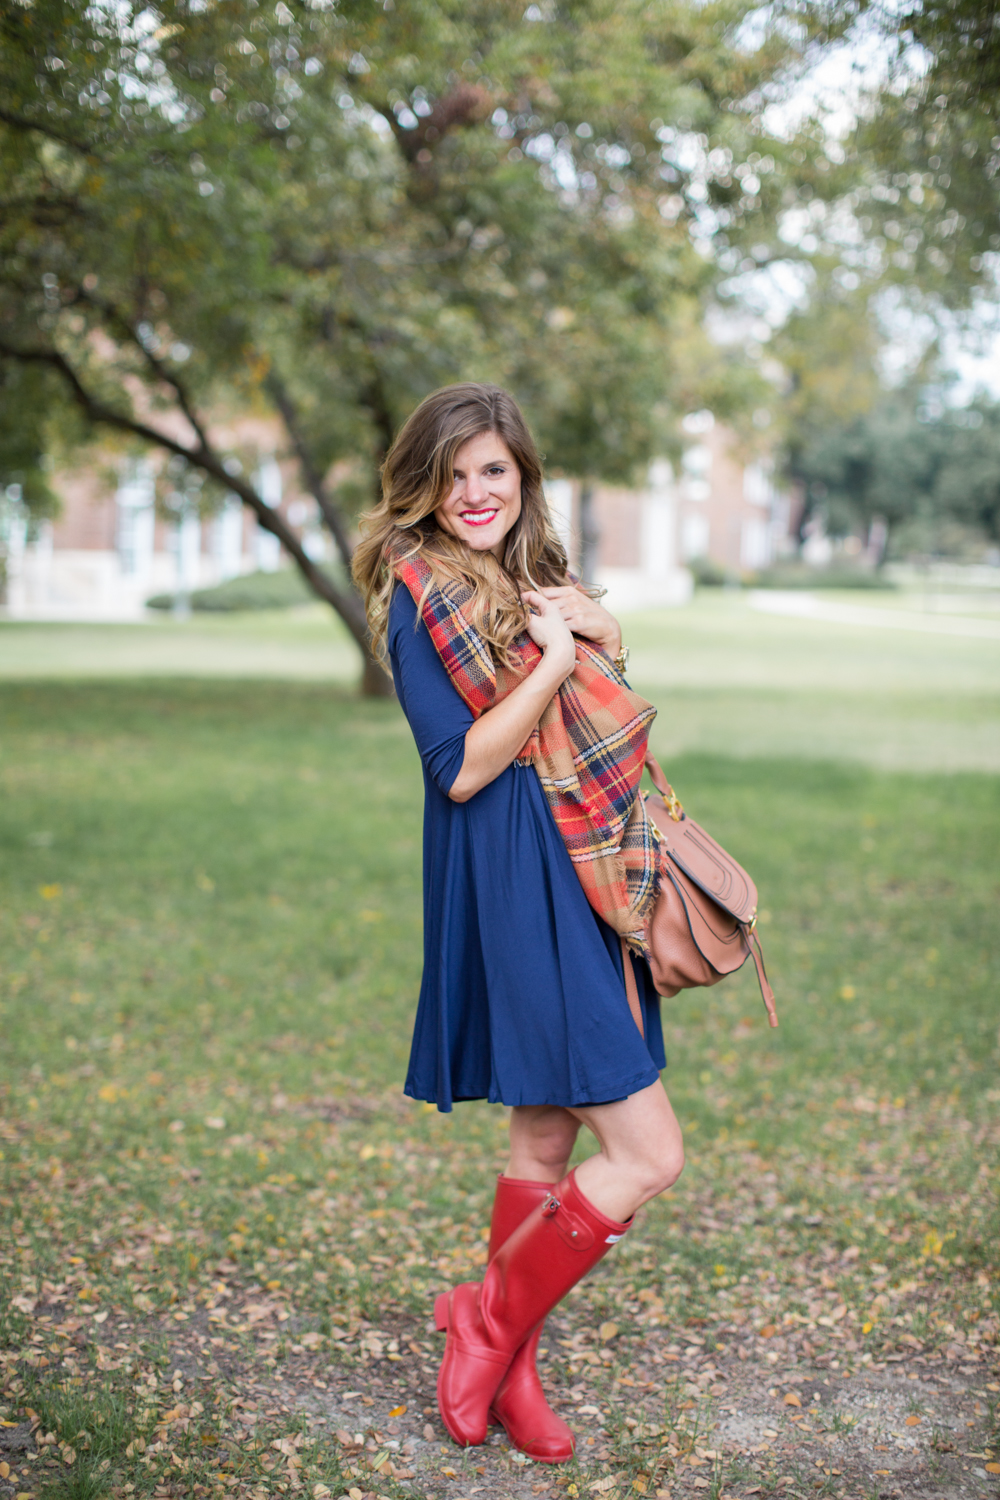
pixel 332 212
pixel 708 574
pixel 279 590
pixel 933 138
pixel 968 484
pixel 910 462
pixel 26 396
pixel 799 576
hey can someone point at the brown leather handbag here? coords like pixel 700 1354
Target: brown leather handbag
pixel 703 924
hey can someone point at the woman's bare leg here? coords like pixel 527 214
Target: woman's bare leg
pixel 641 1155
pixel 542 1137
pixel 641 1150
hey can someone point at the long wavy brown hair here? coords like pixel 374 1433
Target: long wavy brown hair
pixel 417 476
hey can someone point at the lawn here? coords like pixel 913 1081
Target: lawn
pixel 221 1218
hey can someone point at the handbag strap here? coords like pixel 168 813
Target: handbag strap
pixel 766 992
pixel 663 786
pixel 632 989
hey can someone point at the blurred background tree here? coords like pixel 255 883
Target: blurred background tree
pixel 326 213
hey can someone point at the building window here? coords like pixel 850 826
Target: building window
pixel 757 486
pixel 755 543
pixel 695 534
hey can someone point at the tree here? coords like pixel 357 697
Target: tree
pixel 908 458
pixel 968 484
pixel 932 137
pixel 882 465
pixel 330 211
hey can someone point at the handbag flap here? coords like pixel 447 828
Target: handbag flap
pixel 717 936
pixel 704 861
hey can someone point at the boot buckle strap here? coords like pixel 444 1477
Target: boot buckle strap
pixel 576 1232
pixel 550 1206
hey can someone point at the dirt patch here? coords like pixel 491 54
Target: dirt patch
pixel 675 1412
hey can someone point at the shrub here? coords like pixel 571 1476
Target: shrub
pixel 278 590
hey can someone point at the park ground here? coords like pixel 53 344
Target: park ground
pixel 222 1225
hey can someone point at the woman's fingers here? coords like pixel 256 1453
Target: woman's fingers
pixel 538 601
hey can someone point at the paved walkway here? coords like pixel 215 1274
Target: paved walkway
pixel 805 605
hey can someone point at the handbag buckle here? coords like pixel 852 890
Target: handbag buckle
pixel 550 1206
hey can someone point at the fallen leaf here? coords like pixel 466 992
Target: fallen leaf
pixel 398 1411
pixel 768 1331
pixel 607 1332
pixel 993 1468
pixel 913 1421
pixel 792 1400
pixel 320 1492
pixel 4 1470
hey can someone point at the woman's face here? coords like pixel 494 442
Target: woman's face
pixel 485 497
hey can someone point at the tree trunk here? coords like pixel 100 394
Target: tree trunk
pixel 375 681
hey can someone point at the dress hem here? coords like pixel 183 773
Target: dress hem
pixel 623 1091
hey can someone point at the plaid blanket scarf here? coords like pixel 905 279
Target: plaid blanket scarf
pixel 588 750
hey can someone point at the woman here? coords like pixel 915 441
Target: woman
pixel 539 873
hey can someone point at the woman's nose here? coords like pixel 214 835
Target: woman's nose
pixel 475 489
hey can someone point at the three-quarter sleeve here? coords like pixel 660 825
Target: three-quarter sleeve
pixel 436 713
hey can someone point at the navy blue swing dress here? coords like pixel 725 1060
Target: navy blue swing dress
pixel 523 992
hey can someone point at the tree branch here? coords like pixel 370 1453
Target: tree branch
pixel 310 469
pixel 466 104
pixel 20 122
pixel 204 457
pixel 116 317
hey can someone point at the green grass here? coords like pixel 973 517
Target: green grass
pixel 728 680
pixel 210 940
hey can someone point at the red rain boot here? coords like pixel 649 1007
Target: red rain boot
pixel 553 1249
pixel 520 1405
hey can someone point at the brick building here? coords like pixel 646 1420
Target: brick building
pixel 111 549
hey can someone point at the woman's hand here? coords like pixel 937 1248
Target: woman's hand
pixel 586 617
pixel 499 735
pixel 550 630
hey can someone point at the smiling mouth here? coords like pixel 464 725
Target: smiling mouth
pixel 478 517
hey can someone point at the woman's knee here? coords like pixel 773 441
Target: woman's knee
pixel 554 1147
pixel 547 1138
pixel 660 1166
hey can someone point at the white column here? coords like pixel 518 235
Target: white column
pixel 267 548
pixel 658 537
pixel 135 501
pixel 188 551
pixel 227 538
pixel 14 535
pixel 559 495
